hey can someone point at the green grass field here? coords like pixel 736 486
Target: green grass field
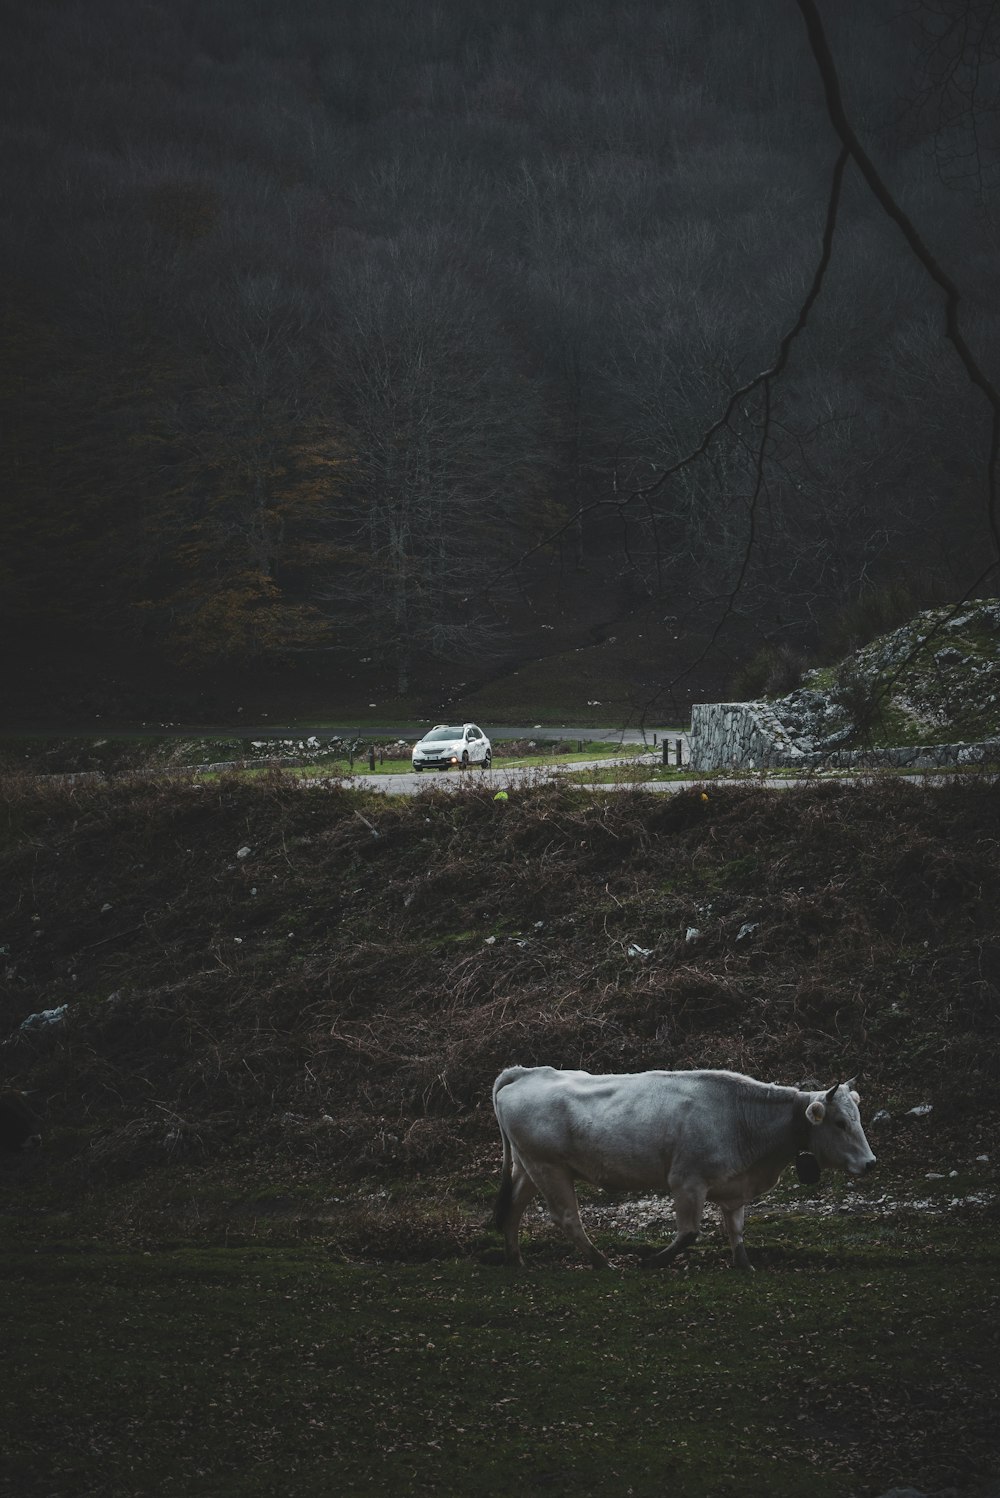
pixel 258 1370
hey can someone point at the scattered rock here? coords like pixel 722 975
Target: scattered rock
pixel 748 931
pixel 880 1118
pixel 242 852
pixel 920 1111
pixel 45 1017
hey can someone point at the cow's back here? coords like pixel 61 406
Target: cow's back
pixel 615 1130
pixel 631 1130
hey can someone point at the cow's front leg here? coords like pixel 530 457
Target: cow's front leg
pixel 733 1218
pixel 688 1207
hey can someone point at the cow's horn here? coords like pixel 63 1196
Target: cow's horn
pixel 832 1093
pixel 851 1084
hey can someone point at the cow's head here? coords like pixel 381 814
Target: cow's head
pixel 837 1138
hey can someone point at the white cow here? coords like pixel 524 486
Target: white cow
pixel 695 1136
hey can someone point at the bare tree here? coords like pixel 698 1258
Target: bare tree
pixel 445 460
pixel 956 90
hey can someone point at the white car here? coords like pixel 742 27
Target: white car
pixel 449 744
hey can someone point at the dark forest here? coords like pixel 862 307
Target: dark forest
pixel 338 331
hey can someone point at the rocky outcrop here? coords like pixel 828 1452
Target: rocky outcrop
pixel 939 677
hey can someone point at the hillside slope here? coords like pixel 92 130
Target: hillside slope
pixel 258 978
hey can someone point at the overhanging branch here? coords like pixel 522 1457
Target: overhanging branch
pixel 849 139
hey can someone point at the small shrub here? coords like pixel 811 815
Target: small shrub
pixel 860 696
pixel 876 611
pixel 774 671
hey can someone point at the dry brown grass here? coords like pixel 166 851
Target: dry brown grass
pixel 346 992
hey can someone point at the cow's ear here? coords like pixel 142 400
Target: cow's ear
pixel 856 1096
pixel 816 1112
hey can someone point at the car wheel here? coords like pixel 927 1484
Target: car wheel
pixel 487 759
pixel 465 759
pixel 418 768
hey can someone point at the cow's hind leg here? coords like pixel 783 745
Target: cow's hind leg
pixel 733 1221
pixel 522 1189
pixel 560 1197
pixel 688 1206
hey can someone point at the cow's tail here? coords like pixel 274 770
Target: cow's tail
pixel 502 1204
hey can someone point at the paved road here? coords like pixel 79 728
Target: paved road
pixel 410 782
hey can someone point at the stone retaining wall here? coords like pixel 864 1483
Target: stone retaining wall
pixel 750 736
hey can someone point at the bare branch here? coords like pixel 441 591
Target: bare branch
pixel 643 492
pixel 953 332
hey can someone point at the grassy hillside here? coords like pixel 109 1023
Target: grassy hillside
pixel 268 979
pixel 573 657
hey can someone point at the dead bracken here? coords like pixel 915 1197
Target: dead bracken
pixel 344 1001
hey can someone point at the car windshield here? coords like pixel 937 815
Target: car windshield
pixel 441 735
